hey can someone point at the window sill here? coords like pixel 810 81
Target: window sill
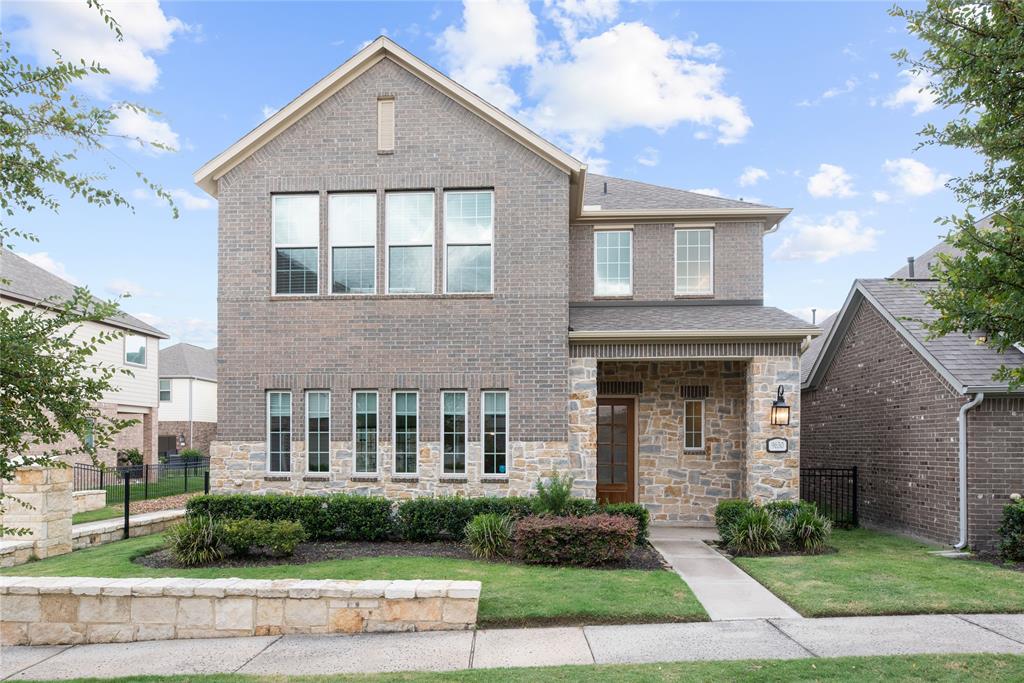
pixel 613 297
pixel 277 477
pixel 385 152
pixel 406 479
pixel 694 296
pixel 453 479
pixel 365 478
pixel 494 479
pixel 378 297
pixel 317 477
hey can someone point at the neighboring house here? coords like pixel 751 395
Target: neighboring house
pixel 419 296
pixel 134 397
pixel 188 398
pixel 878 394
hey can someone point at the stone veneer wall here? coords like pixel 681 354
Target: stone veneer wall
pixel 39 500
pixel 69 610
pixel 772 476
pixel 676 484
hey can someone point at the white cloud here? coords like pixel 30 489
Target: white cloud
pixel 191 201
pixel 649 157
pixel 710 191
pixel 197 331
pixel 831 181
pixel 913 177
pixel 572 16
pixel 141 129
pixel 268 111
pixel 495 37
pixel 125 287
pixel 825 239
pixel 916 92
pixel 848 86
pixel 78 32
pixel 751 175
pixel 49 264
pixel 881 196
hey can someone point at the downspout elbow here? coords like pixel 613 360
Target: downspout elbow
pixel 962 420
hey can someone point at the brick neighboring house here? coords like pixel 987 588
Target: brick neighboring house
pixel 879 395
pixel 188 398
pixel 134 397
pixel 420 296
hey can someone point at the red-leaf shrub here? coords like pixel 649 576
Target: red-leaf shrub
pixel 580 541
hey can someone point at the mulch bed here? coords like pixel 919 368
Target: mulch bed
pixel 643 558
pixel 993 558
pixel 156 504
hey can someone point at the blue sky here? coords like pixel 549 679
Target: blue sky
pixel 791 104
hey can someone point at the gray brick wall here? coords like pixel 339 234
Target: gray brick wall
pixel 738 261
pixel 515 339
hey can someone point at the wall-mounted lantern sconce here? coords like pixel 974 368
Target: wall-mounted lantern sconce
pixel 780 410
pixel 181 437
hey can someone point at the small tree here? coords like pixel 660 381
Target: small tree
pixel 974 63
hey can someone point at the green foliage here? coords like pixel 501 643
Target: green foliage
pixel 577 541
pixel 756 532
pixel 576 507
pixel 974 64
pixel 489 535
pixel 553 496
pixel 747 528
pixel 1011 532
pixel 190 454
pixel 196 541
pixel 727 513
pixel 808 531
pixel 445 518
pixel 129 457
pixel 787 510
pixel 283 537
pixel 340 516
pixel 637 512
pixel 242 535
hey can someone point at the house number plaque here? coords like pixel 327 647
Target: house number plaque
pixel 778 445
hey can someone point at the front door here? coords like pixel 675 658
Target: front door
pixel 615 456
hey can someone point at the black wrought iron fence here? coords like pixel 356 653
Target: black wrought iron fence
pixel 146 481
pixel 833 490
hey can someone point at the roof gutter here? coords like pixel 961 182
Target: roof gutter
pixel 962 419
pixel 646 335
pixel 770 215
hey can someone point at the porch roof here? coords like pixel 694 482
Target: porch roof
pixel 679 320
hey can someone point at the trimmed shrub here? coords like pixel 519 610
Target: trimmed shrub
pixel 191 454
pixel 490 535
pixel 242 535
pixel 428 520
pixel 787 510
pixel 129 457
pixel 553 496
pixel 581 507
pixel 756 532
pixel 360 518
pixel 1011 532
pixel 283 537
pixel 726 514
pixel 196 541
pixel 637 512
pixel 578 541
pixel 809 531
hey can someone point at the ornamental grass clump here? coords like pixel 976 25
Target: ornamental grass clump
pixel 196 541
pixel 489 536
pixel 808 531
pixel 756 532
pixel 746 528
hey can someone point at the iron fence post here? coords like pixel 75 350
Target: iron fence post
pixel 206 482
pixel 186 478
pixel 145 484
pixel 856 516
pixel 127 498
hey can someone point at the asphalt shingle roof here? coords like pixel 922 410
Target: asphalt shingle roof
pixel 681 317
pixel 632 195
pixel 188 360
pixel 21 279
pixel 923 263
pixel 814 348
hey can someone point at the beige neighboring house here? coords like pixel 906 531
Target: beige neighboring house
pixel 23 283
pixel 188 398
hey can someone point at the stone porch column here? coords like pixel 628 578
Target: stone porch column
pixel 582 414
pixel 47 490
pixel 772 476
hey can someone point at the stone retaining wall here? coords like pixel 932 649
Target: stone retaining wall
pixel 70 610
pixel 39 502
pixel 85 501
pixel 110 530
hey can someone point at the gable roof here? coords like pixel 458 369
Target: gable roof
pixel 188 360
pixel 383 47
pixel 965 364
pixel 924 263
pixel 27 282
pixel 670 320
pixel 813 349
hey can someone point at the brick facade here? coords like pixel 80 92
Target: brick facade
pixel 882 407
pixel 201 435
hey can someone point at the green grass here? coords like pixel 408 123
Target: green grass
pixel 172 483
pixel 511 595
pixel 109 512
pixel 905 668
pixel 878 573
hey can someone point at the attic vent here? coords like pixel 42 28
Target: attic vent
pixel 386 124
pixel 620 388
pixel 695 391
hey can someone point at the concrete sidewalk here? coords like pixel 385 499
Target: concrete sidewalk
pixel 448 651
pixel 726 591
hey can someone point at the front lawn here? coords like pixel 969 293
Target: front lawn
pixel 878 573
pixel 99 514
pixel 512 594
pixel 906 668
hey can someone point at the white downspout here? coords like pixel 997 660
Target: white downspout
pixel 190 436
pixel 978 398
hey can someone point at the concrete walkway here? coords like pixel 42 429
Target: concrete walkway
pixel 725 590
pixel 449 651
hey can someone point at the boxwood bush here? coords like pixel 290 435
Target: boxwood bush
pixel 579 541
pixel 1011 532
pixel 428 520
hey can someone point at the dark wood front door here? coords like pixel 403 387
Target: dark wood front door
pixel 615 454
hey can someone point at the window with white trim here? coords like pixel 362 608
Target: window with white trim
pixel 453 431
pixel 613 262
pixel 694 261
pixel 352 230
pixel 279 431
pixel 406 404
pixel 318 431
pixel 409 224
pixel 494 419
pixel 468 240
pixel 693 425
pixel 296 243
pixel 165 390
pixel 364 407
pixel 135 350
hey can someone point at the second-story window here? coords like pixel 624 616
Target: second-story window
pixel 613 262
pixel 296 243
pixel 352 221
pixel 468 237
pixel 135 350
pixel 165 390
pixel 409 223
pixel 694 261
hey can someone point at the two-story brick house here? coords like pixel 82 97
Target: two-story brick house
pixel 420 296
